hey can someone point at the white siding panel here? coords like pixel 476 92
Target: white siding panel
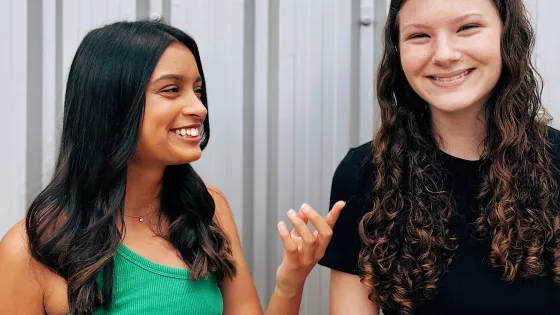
pixel 291 88
pixel 13 125
pixel 548 45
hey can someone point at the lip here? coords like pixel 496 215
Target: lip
pixel 189 140
pixel 456 82
pixel 449 74
pixel 195 125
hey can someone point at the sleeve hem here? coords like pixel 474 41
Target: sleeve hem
pixel 338 268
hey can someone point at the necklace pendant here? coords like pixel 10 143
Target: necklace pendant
pixel 141 219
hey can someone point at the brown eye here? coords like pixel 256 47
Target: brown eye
pixel 199 92
pixel 171 89
pixel 418 35
pixel 467 27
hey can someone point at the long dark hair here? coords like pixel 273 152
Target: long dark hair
pixel 72 224
pixel 408 245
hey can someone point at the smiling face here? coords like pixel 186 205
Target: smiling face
pixel 174 113
pixel 450 51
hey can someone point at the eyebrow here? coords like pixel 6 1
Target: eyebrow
pixel 177 77
pixel 170 76
pixel 464 17
pixel 453 21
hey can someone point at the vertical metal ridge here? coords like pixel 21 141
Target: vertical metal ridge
pixel 166 11
pixel 248 129
pixel 59 95
pixel 142 10
pixel 272 157
pixel 34 86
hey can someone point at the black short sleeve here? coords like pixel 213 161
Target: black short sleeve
pixel 554 141
pixel 351 183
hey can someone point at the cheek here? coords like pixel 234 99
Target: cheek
pixel 158 114
pixel 495 65
pixel 155 124
pixel 489 60
pixel 413 61
pixel 490 53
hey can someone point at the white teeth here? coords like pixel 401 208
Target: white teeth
pixel 453 78
pixel 191 132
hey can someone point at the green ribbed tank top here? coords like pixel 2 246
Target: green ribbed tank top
pixel 144 287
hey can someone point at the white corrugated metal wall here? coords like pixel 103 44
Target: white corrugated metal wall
pixel 290 90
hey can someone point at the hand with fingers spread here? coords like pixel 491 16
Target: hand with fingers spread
pixel 303 248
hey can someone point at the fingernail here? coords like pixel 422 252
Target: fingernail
pixel 291 213
pixel 281 224
pixel 305 207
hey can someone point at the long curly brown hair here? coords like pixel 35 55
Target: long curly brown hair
pixel 407 245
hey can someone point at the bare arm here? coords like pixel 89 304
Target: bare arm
pixel 20 291
pixel 239 294
pixel 349 296
pixel 285 303
pixel 302 251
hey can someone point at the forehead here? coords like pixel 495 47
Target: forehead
pixel 436 11
pixel 176 59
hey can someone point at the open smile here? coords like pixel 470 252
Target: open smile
pixel 189 134
pixel 452 78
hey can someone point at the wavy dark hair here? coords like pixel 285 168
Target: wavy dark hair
pixel 407 244
pixel 73 223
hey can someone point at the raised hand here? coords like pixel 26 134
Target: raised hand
pixel 303 248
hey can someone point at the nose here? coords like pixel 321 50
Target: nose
pixel 445 53
pixel 193 106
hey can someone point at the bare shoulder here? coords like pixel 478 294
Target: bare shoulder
pixel 15 256
pixel 21 286
pixel 14 245
pixel 222 205
pixel 216 193
pixel 223 215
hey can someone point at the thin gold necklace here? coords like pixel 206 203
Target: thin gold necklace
pixel 140 217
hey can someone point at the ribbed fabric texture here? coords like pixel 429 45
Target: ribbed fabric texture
pixel 144 287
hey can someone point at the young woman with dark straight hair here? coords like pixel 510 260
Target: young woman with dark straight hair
pixel 126 226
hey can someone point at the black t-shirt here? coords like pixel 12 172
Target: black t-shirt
pixel 470 285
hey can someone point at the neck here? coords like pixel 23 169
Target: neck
pixel 142 189
pixel 460 134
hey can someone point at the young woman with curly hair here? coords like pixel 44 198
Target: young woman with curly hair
pixel 453 208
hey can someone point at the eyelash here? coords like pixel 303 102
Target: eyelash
pixel 176 90
pixel 414 36
pixel 467 27
pixel 171 89
pixel 462 28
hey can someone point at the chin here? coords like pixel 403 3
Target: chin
pixel 449 105
pixel 457 101
pixel 451 108
pixel 186 158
